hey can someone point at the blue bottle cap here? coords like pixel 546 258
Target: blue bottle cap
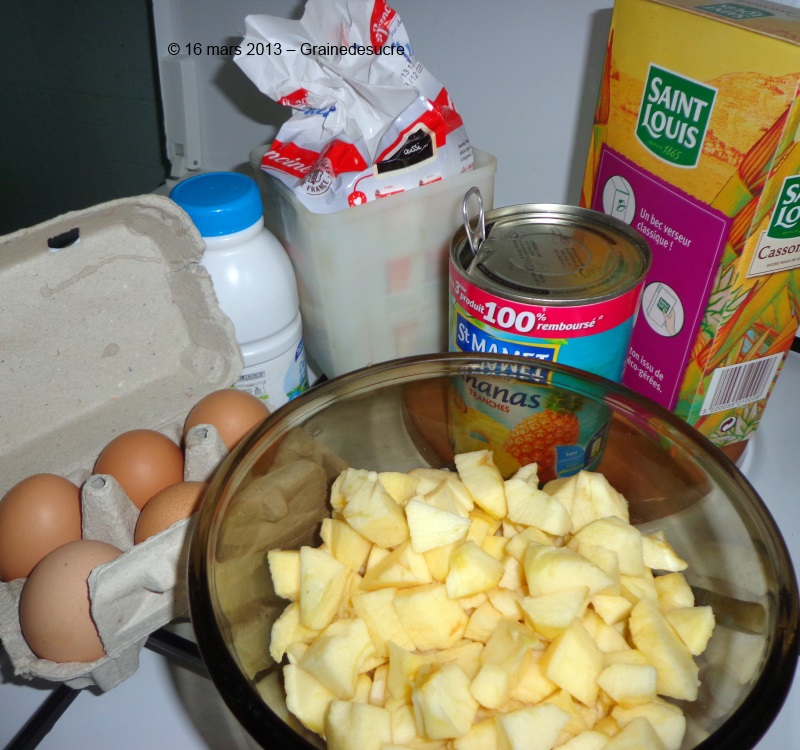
pixel 219 203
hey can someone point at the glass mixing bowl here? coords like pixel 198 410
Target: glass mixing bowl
pixel 271 492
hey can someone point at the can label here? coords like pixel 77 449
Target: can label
pixel 592 337
pixel 561 431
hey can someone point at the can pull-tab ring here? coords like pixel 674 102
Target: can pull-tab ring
pixel 475 234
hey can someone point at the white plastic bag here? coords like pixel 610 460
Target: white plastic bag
pixel 369 120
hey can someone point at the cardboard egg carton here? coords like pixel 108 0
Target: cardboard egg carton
pixel 110 324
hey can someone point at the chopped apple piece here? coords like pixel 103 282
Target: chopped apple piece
pixel 352 586
pixel 431 619
pixel 531 728
pixel 495 545
pixel 347 484
pixel 376 554
pixel 404 725
pixel 563 489
pixel 482 622
pixel 438 561
pixel 466 654
pixel 403 667
pixel 374 514
pixel 401 568
pixel 549 569
pixel 364 684
pixel 432 527
pixel 551 614
pixel 519 543
pixel 506 602
pixel 482 526
pixel 605 559
pixel 482 735
pixel 513 574
pixel 345 543
pixel 591 739
pixel 306 697
pixel 652 634
pixel 573 662
pixel 639 587
pixel 532 686
pixel 529 506
pixel 509 643
pixel 595 498
pixel 694 625
pixel 614 534
pixel 472 571
pixel 335 657
pixel 509 649
pixel 295 652
pixel 491 687
pixel 400 485
pixel 451 495
pixel 638 735
pixel 357 726
pixel 378 691
pixel 470 603
pixel 287 630
pixel 659 554
pixel 284 568
pixel 322 583
pixel 666 718
pixel 673 591
pixel 629 684
pixel 626 655
pixel 443 705
pixel 377 610
pixel 607 725
pixel 613 608
pixel 528 473
pixel 483 480
pixel 608 638
pixel 581 717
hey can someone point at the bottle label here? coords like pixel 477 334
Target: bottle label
pixel 279 380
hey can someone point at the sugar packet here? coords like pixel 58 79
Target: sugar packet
pixel 369 120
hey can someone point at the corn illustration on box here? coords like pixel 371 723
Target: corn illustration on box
pixel 695 144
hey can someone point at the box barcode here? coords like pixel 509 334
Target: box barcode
pixel 740 384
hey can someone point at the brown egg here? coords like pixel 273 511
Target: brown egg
pixel 143 462
pixel 233 413
pixel 172 504
pixel 54 608
pixel 37 515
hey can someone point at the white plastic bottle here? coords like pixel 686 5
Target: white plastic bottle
pixel 254 281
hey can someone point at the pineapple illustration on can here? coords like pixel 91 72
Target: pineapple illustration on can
pixel 538 422
pixel 548 284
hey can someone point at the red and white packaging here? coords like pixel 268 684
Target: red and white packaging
pixel 368 119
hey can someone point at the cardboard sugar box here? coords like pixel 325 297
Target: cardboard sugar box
pixel 110 324
pixel 695 144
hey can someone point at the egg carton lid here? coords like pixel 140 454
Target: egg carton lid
pixel 109 323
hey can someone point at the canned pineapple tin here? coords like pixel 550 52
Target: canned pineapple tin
pixel 548 283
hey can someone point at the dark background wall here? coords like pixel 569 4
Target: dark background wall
pixel 79 106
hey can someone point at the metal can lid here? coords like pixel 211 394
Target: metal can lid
pixel 556 254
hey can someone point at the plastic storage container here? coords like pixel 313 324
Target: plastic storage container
pixel 373 278
pixel 254 281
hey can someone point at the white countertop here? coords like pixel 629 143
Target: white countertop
pixel 164 707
